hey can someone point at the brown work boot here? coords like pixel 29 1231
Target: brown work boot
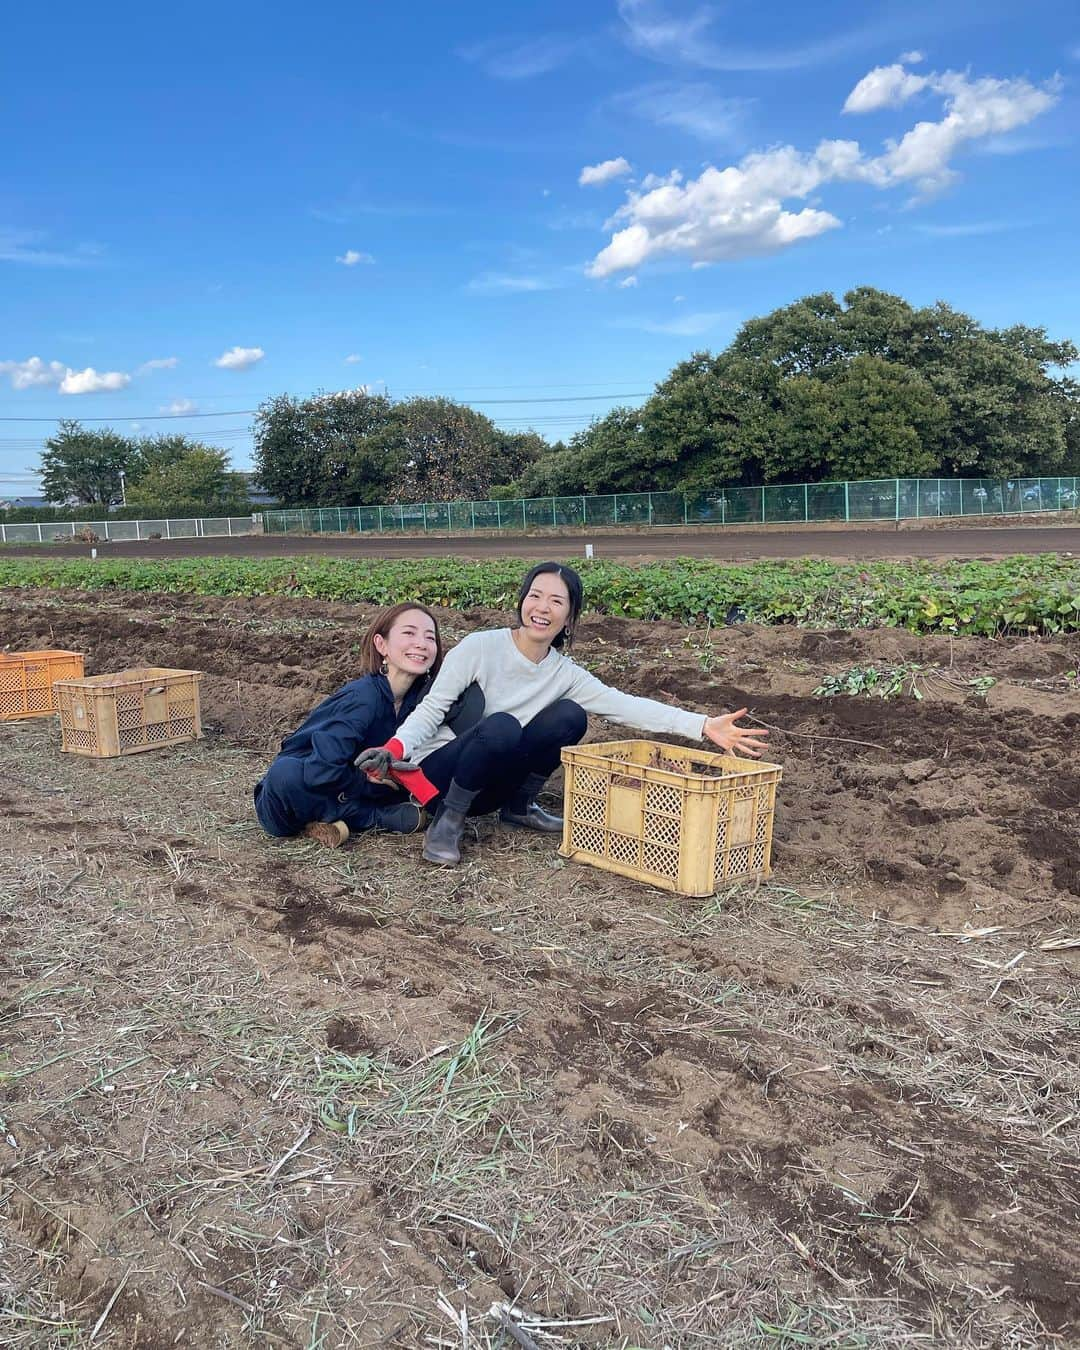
pixel 328 833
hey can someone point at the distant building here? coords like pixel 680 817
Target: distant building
pixel 256 496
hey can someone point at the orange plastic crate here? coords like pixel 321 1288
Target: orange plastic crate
pixel 131 711
pixel 690 821
pixel 27 679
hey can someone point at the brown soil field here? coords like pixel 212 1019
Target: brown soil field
pixel 733 544
pixel 255 1093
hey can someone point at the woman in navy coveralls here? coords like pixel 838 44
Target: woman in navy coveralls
pixel 313 788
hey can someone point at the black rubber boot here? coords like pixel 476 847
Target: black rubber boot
pixel 442 843
pixel 522 811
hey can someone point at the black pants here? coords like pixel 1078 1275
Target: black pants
pixel 494 757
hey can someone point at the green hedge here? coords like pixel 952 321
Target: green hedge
pixel 49 515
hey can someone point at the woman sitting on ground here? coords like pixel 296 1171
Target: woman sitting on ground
pixel 528 701
pixel 313 787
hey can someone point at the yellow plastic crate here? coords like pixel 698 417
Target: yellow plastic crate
pixel 133 710
pixel 687 820
pixel 27 679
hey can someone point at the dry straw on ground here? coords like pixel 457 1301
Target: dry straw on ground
pixel 262 1094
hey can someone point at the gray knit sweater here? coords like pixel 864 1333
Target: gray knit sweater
pixel 514 684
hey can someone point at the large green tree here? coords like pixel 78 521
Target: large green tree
pixel 445 450
pixel 85 466
pixel 872 419
pixel 325 450
pixel 869 386
pixel 105 468
pixel 605 457
pixel 198 474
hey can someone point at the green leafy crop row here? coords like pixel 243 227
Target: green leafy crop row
pixel 1021 595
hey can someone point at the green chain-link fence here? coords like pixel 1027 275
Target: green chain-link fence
pixel 867 499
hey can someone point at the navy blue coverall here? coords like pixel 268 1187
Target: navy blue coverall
pixel 313 777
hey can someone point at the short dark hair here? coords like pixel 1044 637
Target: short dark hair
pixel 370 660
pixel 574 589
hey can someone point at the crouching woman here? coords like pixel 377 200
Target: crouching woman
pixel 527 701
pixel 313 787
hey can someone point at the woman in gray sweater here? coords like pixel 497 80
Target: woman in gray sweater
pixel 525 700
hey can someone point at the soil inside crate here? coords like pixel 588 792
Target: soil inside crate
pixel 658 760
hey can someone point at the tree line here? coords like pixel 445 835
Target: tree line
pixel 823 389
pixel 171 475
pixel 359 449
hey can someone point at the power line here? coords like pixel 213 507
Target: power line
pixel 435 393
pixel 17 441
pixel 250 412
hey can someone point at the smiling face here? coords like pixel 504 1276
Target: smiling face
pixel 410 646
pixel 545 608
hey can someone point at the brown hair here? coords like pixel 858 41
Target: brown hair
pixel 370 659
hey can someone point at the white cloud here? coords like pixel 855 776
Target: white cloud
pixel 686 325
pixel 974 109
pixel 179 406
pixel 352 256
pixel 21 246
pixel 504 283
pixel 687 41
pixel 34 371
pixel 521 58
pixel 741 211
pixel 90 381
pixel 970 228
pixel 158 363
pixel 353 358
pixel 240 358
pixel 627 282
pixel 655 180
pixel 724 214
pixel 911 58
pixel 594 174
pixel 1012 144
pixel 885 87
pixel 695 108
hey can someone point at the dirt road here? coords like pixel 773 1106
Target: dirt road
pixel 728 545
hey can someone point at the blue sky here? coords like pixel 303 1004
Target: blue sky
pixel 536 208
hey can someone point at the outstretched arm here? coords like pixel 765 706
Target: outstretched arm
pixel 649 714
